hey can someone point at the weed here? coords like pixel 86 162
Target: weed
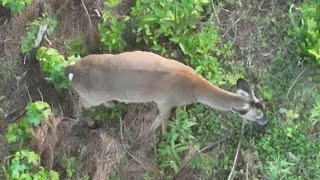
pixel 116 112
pixel 178 22
pixel 53 64
pixel 69 165
pixel 315 112
pixel 25 165
pixel 167 19
pixel 77 48
pixel 111 29
pixel 28 43
pixel 307 29
pixel 176 141
pixel 16 5
pixel 36 113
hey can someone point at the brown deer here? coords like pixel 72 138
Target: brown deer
pixel 147 77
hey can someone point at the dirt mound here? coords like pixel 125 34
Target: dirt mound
pixel 99 152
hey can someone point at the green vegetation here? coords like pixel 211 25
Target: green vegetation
pixel 69 165
pixel 25 165
pixel 77 48
pixel 102 113
pixel 28 42
pixel 111 29
pixel 161 24
pixel 307 29
pixel 37 112
pixel 53 64
pixel 16 5
pixel 175 142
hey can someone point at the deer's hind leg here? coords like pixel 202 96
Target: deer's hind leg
pixel 162 118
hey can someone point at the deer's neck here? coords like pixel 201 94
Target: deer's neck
pixel 218 98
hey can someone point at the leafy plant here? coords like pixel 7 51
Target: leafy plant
pixel 167 19
pixel 77 48
pixel 116 112
pixel 176 141
pixel 160 24
pixel 36 113
pixel 69 165
pixel 315 112
pixel 16 5
pixel 308 29
pixel 111 29
pixel 28 43
pixel 53 64
pixel 25 165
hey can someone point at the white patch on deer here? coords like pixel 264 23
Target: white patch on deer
pixel 70 76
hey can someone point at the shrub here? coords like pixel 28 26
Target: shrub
pixel 36 113
pixel 25 165
pixel 160 24
pixel 53 64
pixel 28 43
pixel 16 5
pixel 307 29
pixel 111 29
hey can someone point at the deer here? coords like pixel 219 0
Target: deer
pixel 141 77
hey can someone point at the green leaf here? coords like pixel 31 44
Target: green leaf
pixel 11 138
pixel 112 3
pixel 315 53
pixel 33 158
pixel 182 47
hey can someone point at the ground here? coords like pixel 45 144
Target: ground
pixel 258 32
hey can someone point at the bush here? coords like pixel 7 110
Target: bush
pixel 25 165
pixel 53 64
pixel 36 113
pixel 16 5
pixel 307 29
pixel 28 43
pixel 111 29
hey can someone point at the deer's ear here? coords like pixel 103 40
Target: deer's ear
pixel 243 88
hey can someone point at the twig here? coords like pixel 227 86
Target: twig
pixel 260 6
pixel 215 13
pixel 295 81
pixel 61 110
pixel 131 155
pixel 30 99
pixel 85 8
pixel 40 94
pixel 70 119
pixel 46 38
pixel 25 58
pixel 232 25
pixel 237 153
